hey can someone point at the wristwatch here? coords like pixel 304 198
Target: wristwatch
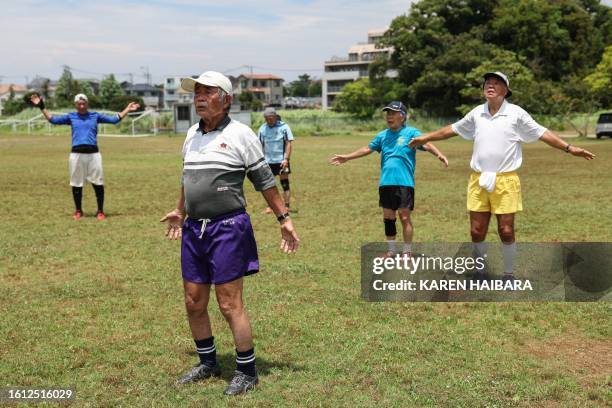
pixel 567 148
pixel 282 217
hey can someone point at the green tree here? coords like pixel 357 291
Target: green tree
pixel 65 91
pixel 357 98
pixel 248 101
pixel 315 88
pixel 557 38
pixel 84 87
pixel 600 81
pixel 12 105
pixel 109 89
pixel 439 41
pixel 427 31
pixel 299 87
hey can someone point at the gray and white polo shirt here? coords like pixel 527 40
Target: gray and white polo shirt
pixel 214 166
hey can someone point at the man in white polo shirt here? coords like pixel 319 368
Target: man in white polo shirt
pixel 497 129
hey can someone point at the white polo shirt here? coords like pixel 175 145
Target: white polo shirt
pixel 497 139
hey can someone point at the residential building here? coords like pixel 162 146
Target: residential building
pixel 340 71
pixel 5 93
pixel 151 95
pixel 265 87
pixel 43 86
pixel 173 93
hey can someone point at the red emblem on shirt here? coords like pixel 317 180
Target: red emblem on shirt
pixel 223 146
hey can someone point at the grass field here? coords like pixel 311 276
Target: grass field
pixel 99 305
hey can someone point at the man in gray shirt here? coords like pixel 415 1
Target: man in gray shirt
pixel 218 245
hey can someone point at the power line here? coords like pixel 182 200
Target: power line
pixel 290 69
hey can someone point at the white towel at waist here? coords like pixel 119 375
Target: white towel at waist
pixel 487 180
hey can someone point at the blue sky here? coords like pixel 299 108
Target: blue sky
pixel 182 37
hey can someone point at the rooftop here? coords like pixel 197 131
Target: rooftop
pixel 5 88
pixel 260 76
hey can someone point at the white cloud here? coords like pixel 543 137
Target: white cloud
pixel 184 36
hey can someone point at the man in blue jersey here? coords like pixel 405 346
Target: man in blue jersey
pixel 85 161
pixel 396 188
pixel 276 137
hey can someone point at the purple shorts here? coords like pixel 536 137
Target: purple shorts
pixel 225 251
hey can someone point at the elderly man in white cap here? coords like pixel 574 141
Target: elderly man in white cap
pixel 218 246
pixel 497 129
pixel 85 160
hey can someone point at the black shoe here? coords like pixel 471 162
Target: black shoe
pixel 241 383
pixel 480 276
pixel 200 372
pixel 508 277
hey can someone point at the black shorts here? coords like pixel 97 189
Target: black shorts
pixel 394 197
pixel 276 168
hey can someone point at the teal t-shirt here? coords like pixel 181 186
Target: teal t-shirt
pixel 397 160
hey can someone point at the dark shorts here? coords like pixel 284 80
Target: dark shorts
pixel 395 197
pixel 227 250
pixel 276 168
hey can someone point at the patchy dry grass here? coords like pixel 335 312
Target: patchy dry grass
pixel 99 305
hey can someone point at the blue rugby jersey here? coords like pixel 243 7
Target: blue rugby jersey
pixel 84 127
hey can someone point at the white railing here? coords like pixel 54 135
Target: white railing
pixel 151 113
pixel 30 123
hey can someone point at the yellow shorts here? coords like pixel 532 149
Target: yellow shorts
pixel 505 199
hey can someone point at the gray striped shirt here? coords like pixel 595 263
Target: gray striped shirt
pixel 214 167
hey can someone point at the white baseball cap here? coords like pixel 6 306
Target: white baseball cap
pixel 269 111
pixel 499 75
pixel 208 78
pixel 79 97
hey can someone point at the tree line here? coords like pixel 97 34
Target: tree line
pixel 557 54
pixel 110 95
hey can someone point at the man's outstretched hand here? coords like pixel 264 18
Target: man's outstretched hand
pixel 580 152
pixel 338 159
pixel 174 221
pixel 133 106
pixel 289 239
pixel 417 142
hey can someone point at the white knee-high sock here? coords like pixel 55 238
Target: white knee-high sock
pixel 480 251
pixel 509 251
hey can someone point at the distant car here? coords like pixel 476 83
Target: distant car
pixel 604 125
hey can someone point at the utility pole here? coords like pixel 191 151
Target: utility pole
pixel 67 68
pixel 147 74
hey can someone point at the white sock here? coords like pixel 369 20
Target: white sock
pixel 407 247
pixel 509 251
pixel 391 245
pixel 479 251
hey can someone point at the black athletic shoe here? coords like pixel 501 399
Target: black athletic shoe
pixel 480 276
pixel 241 383
pixel 199 372
pixel 508 278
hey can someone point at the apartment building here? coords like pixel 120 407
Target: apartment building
pixel 339 71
